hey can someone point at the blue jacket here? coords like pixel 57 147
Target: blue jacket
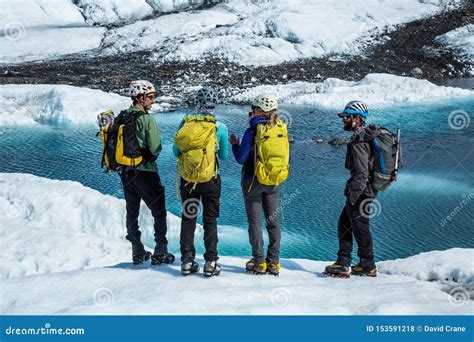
pixel 245 152
pixel 222 139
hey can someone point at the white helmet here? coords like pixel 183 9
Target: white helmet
pixel 266 102
pixel 141 87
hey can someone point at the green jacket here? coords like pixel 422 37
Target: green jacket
pixel 148 136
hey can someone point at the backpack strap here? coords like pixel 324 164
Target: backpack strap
pixel 102 161
pixel 148 157
pixel 177 178
pixel 255 157
pixel 216 170
pixel 255 167
pixel 379 155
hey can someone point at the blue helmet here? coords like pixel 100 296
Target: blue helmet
pixel 206 96
pixel 355 108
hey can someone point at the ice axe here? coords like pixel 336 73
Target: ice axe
pixel 397 155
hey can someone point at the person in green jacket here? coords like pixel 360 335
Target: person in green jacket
pixel 143 182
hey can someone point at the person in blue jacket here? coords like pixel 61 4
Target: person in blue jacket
pixel 209 193
pixel 259 196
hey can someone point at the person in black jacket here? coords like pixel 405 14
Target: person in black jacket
pixel 359 192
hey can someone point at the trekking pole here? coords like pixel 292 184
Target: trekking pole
pixel 397 155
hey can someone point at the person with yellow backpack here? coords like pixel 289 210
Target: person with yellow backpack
pixel 199 142
pixel 265 155
pixel 131 144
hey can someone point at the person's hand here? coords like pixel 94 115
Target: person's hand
pixel 233 139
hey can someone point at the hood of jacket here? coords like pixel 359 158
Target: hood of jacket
pixel 366 134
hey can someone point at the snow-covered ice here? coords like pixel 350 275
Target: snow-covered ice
pixel 100 12
pixel 154 33
pixel 68 215
pixel 29 248
pixel 39 13
pixel 300 289
pixel 456 264
pixel 113 11
pixel 60 255
pixel 42 43
pixel 166 6
pixel 31 104
pixel 37 30
pixel 244 32
pixel 265 33
pixel 461 41
pixel 374 89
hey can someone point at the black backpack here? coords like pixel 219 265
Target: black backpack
pixel 119 142
pixel 388 158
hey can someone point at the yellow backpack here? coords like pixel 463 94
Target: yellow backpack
pixel 119 143
pixel 272 153
pixel 197 140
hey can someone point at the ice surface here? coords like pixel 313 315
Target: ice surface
pixel 374 89
pixel 32 104
pixel 62 253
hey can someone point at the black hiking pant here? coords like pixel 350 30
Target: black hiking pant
pixel 354 221
pixel 209 194
pixel 146 186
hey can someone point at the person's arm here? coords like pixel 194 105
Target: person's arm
pixel 176 150
pixel 223 139
pixel 152 135
pixel 360 157
pixel 242 151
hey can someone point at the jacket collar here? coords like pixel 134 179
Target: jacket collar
pixel 258 120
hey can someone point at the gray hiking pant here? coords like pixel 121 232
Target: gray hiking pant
pixel 262 197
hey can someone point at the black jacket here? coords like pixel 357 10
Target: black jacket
pixel 360 162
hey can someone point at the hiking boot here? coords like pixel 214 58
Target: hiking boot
pixel 211 268
pixel 158 259
pixel 364 271
pixel 139 258
pixel 256 268
pixel 189 267
pixel 273 269
pixel 337 270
